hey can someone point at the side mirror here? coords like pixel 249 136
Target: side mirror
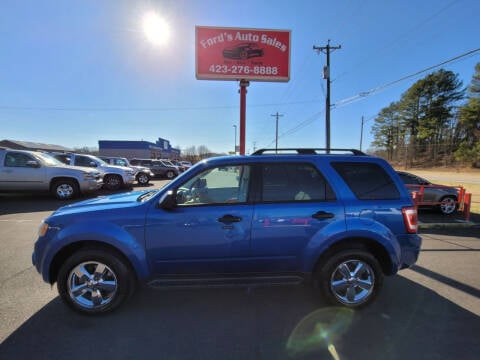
pixel 92 164
pixel 33 164
pixel 168 201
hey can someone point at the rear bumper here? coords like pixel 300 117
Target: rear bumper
pixel 410 245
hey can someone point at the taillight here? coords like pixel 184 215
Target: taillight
pixel 410 219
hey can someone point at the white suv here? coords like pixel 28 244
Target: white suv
pixel 114 177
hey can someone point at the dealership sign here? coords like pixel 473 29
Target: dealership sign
pixel 242 54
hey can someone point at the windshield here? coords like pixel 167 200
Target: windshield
pixel 99 161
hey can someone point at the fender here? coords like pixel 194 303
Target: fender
pixel 332 234
pixel 128 239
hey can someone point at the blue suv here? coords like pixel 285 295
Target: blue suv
pixel 337 220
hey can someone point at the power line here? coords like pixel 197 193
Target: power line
pixel 396 41
pixel 364 94
pixel 147 109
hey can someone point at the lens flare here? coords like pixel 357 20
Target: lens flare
pixel 318 331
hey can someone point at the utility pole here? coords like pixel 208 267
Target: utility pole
pixel 361 135
pixel 277 115
pixel 326 75
pixel 235 143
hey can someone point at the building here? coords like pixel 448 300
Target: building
pixel 130 149
pixel 33 146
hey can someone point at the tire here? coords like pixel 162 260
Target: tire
pixel 65 189
pixel 448 205
pixel 143 178
pixel 170 174
pixel 351 278
pixel 112 182
pixel 88 291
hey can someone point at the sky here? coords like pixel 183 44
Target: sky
pixel 75 72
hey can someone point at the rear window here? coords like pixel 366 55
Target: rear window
pixel 368 181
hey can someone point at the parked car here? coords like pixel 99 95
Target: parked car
pixel 22 170
pixel 114 177
pixel 157 167
pixel 171 163
pixel 142 173
pixel 179 165
pixel 338 222
pixel 186 164
pixel 243 51
pixel 443 198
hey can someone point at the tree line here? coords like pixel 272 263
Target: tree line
pixel 435 122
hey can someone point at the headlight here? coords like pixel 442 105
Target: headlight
pixel 42 229
pixel 130 173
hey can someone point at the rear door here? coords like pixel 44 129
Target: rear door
pixel 294 203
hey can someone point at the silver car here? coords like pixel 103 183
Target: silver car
pixel 444 198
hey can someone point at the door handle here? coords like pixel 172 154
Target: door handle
pixel 321 215
pixel 227 219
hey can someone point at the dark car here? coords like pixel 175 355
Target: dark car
pixel 158 167
pixel 443 198
pixel 243 51
pixel 340 222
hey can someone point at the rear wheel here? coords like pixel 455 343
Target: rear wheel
pixel 448 205
pixel 65 189
pixel 351 278
pixel 94 281
pixel 170 174
pixel 112 182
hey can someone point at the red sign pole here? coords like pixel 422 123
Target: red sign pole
pixel 243 110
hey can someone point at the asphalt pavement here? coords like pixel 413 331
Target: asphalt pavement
pixel 431 311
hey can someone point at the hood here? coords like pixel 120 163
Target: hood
pixel 103 203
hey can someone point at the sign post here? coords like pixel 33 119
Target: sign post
pixel 244 55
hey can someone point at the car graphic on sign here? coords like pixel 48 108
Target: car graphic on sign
pixel 243 51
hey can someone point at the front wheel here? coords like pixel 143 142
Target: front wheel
pixel 143 178
pixel 65 189
pixel 112 182
pixel 94 281
pixel 351 278
pixel 170 174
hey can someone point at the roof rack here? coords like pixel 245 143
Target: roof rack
pixel 308 151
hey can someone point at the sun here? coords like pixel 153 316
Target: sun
pixel 156 29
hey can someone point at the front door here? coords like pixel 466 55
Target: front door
pixel 209 229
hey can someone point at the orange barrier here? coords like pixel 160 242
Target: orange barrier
pixel 464 200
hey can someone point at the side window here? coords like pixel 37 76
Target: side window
pixel 63 158
pixel 294 182
pixel 119 162
pixel 83 161
pixel 368 181
pixel 17 160
pixel 219 185
pixel 408 179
